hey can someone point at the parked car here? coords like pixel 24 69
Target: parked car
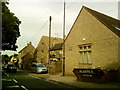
pixel 9 68
pixel 39 68
pixel 4 67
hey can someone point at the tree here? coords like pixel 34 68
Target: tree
pixel 15 58
pixel 10 28
pixel 5 59
pixel 15 55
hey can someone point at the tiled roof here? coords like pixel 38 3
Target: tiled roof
pixel 109 22
pixel 22 49
pixel 25 48
pixel 54 40
pixel 57 46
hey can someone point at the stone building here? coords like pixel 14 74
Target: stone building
pixel 25 56
pixel 56 58
pixel 56 52
pixel 93 41
pixel 41 54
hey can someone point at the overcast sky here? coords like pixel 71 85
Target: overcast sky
pixel 34 15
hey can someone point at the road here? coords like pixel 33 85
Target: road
pixel 22 81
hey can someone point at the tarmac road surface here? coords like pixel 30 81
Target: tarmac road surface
pixel 21 81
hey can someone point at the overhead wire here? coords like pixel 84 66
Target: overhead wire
pixel 38 32
pixel 62 11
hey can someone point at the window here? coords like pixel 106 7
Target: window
pixel 89 57
pixel 42 51
pixel 54 52
pixel 85 57
pixel 81 57
pixel 85 54
pixel 60 52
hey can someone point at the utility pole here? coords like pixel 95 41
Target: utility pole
pixel 50 19
pixel 64 41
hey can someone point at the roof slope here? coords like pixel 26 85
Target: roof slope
pixel 54 40
pixel 22 49
pixel 57 46
pixel 109 22
pixel 28 44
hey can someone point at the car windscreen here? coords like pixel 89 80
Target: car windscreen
pixel 40 65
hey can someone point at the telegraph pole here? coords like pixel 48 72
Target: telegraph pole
pixel 64 42
pixel 50 19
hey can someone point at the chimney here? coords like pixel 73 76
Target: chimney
pixel 29 43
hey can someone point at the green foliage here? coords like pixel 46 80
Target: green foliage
pixel 5 59
pixel 15 55
pixel 10 29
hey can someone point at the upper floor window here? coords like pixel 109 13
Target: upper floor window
pixel 60 52
pixel 54 52
pixel 42 51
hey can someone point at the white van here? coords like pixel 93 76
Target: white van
pixel 39 68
